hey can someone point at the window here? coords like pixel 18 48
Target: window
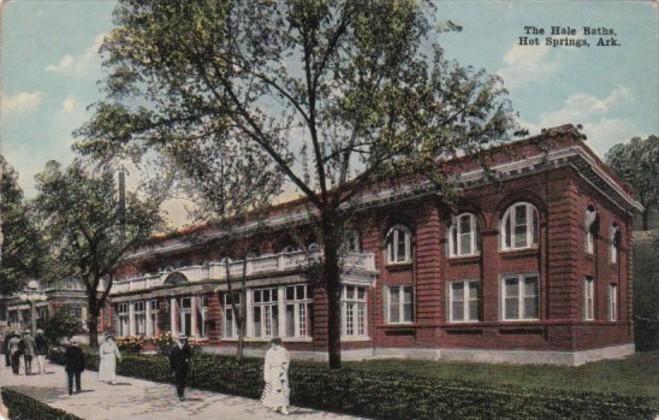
pixel 122 319
pixel 140 318
pixel 464 301
pixel 400 307
pixel 185 316
pixel 297 307
pixel 42 312
pixel 230 329
pixel 153 315
pixel 353 242
pixel 399 245
pixel 589 299
pixel 353 306
pixel 615 239
pixel 520 297
pixel 590 226
pixel 265 313
pixel 519 227
pixel 463 236
pixel 613 302
pixel 202 315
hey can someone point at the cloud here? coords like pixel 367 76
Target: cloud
pixel 594 114
pixel 69 104
pixel 72 66
pixel 525 64
pixel 22 101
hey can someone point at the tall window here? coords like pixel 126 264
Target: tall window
pixel 185 316
pixel 122 319
pixel 589 299
pixel 154 308
pixel 589 222
pixel 613 302
pixel 400 304
pixel 140 317
pixel 520 297
pixel 463 236
pixel 353 242
pixel 297 304
pixel 615 239
pixel 230 327
pixel 399 245
pixel 464 302
pixel 266 313
pixel 353 305
pixel 202 315
pixel 519 227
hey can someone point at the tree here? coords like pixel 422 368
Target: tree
pixel 20 241
pixel 61 325
pixel 330 96
pixel 87 231
pixel 637 163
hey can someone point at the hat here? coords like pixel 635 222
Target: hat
pixel 39 331
pixel 182 337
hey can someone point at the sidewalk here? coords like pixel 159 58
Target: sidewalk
pixel 138 399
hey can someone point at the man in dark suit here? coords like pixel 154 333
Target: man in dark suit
pixel 74 364
pixel 179 364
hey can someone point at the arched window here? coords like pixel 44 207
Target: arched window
pixel 519 227
pixel 615 242
pixel 352 241
pixel 590 227
pixel 399 245
pixel 464 235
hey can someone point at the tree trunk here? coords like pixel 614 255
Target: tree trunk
pixel 241 340
pixel 333 288
pixel 92 326
pixel 646 216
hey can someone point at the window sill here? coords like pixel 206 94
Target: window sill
pixel 354 339
pixel 464 259
pixel 399 266
pixel 518 253
pixel 525 320
pixel 267 339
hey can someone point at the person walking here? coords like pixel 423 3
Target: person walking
pixel 29 351
pixel 109 353
pixel 42 350
pixel 179 364
pixel 276 393
pixel 13 346
pixel 74 365
pixel 5 347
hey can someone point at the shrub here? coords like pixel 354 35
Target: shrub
pixel 388 396
pixel 61 325
pixel 130 344
pixel 23 407
pixel 164 342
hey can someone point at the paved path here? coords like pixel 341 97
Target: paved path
pixel 138 399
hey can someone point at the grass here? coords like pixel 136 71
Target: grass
pixel 637 375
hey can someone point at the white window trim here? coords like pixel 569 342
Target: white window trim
pixel 392 239
pixel 296 302
pixel 455 227
pixel 401 303
pixel 356 302
pixel 466 300
pixel 234 325
pixel 589 238
pixel 614 246
pixel 613 302
pixel 531 211
pixel 520 296
pixel 589 299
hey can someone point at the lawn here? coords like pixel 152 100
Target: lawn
pixel 637 375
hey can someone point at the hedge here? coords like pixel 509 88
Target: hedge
pixel 23 407
pixel 387 396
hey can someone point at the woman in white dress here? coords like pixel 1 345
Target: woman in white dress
pixel 108 353
pixel 275 374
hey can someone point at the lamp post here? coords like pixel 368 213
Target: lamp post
pixel 32 295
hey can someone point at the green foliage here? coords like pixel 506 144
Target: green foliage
pixel 88 231
pixel 61 325
pixel 383 395
pixel 23 407
pixel 21 245
pixel 646 296
pixel 637 163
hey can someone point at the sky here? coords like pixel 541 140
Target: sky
pixel 49 69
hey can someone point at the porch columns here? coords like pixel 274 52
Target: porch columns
pixel 147 311
pixel 172 314
pixel 131 318
pixel 193 313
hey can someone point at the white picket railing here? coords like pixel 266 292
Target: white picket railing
pixel 271 263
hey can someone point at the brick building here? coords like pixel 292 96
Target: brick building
pixel 532 267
